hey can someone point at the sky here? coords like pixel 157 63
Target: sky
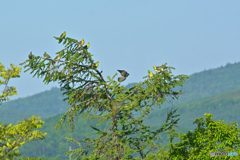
pixel 128 35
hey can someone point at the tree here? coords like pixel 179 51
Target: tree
pixel 11 137
pixel 90 95
pixel 12 72
pixel 209 136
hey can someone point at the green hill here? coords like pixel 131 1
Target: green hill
pixel 55 145
pixel 44 104
pixel 211 82
pixel 223 107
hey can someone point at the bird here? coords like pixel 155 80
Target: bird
pixel 30 55
pixel 63 35
pixel 150 75
pixel 57 58
pixel 158 69
pixel 46 56
pixel 81 42
pixel 86 46
pixel 94 65
pixel 124 75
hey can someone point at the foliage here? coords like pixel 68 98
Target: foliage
pixel 90 95
pixel 209 136
pixel 6 74
pixel 224 106
pixel 27 158
pixel 11 137
pixel 55 143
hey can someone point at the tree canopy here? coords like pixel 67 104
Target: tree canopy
pixel 12 137
pixel 89 94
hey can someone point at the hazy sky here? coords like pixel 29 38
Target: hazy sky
pixel 132 35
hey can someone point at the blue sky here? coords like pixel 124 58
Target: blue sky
pixel 131 35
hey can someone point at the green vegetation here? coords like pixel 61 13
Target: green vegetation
pixel 89 95
pixel 224 106
pixel 55 143
pixel 54 104
pixel 188 112
pixel 12 137
pixel 209 136
pixel 44 105
pixel 105 120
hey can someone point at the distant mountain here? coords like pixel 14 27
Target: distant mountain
pixel 55 145
pixel 12 116
pixel 44 104
pixel 211 82
pixel 225 106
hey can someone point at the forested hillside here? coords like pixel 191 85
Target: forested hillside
pixel 56 144
pixel 223 107
pixel 211 82
pixel 44 104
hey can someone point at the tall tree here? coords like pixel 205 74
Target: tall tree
pixel 89 94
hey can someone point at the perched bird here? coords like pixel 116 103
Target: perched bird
pixel 30 55
pixel 150 75
pixel 124 75
pixel 94 65
pixel 57 58
pixel 158 69
pixel 63 35
pixel 60 39
pixel 81 42
pixel 46 56
pixel 86 46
